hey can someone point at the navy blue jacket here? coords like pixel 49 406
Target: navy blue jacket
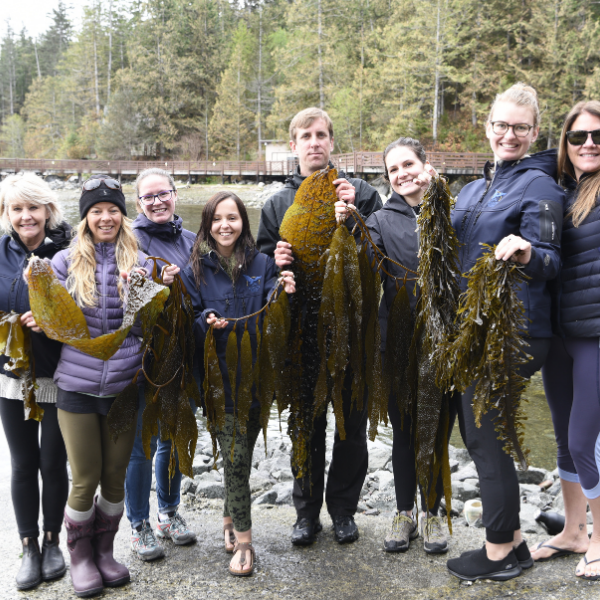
pixel 14 293
pixel 521 198
pixel 577 290
pixel 166 240
pixel 218 295
pixel 394 231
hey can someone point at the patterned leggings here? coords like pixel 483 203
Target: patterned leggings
pixel 237 473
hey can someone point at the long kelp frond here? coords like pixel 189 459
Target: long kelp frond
pixel 490 346
pixel 58 315
pixel 15 343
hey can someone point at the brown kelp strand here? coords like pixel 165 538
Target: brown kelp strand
pixel 15 343
pixel 59 317
pixel 214 394
pixel 167 364
pixel 438 273
pixel 490 346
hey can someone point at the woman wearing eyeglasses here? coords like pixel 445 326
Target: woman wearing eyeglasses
pixel 160 233
pixel 91 270
pixel 572 369
pixel 518 206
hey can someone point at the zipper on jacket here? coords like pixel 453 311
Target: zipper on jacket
pixel 549 231
pixel 471 224
pixel 104 317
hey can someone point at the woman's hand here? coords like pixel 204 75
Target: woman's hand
pixel 424 179
pixel 215 321
pixel 342 210
pixel 289 282
pixel 168 274
pixel 283 254
pixel 514 248
pixel 27 320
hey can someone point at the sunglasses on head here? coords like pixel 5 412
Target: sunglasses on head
pixel 579 137
pixel 92 184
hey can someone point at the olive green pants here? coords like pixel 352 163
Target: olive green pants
pixel 94 458
pixel 237 473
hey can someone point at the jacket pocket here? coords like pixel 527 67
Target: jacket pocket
pixel 549 230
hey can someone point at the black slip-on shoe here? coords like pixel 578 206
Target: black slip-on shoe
pixel 344 529
pixel 305 531
pixel 476 565
pixel 53 562
pixel 30 573
pixel 523 555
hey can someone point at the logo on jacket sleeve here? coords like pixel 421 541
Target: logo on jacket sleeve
pixel 253 283
pixel 497 197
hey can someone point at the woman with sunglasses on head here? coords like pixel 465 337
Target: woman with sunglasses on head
pixel 160 233
pixel 228 278
pixel 394 230
pixel 518 206
pixel 92 270
pixel 571 370
pixel 32 219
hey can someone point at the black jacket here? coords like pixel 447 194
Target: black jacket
pixel 394 231
pixel 521 198
pixel 577 290
pixel 367 202
pixel 14 294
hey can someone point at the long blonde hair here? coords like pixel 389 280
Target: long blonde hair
pixel 588 189
pixel 81 282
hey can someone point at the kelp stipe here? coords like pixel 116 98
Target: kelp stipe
pixel 490 346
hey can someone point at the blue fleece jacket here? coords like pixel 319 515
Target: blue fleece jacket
pixel 520 198
pixel 219 295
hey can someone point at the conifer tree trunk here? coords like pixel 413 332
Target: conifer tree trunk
pixel 437 76
pixel 259 95
pixel 320 33
pixel 109 51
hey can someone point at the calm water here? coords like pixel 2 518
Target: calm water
pixel 539 435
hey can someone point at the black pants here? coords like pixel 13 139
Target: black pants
pixel 496 469
pixel 348 468
pixel 403 460
pixel 31 455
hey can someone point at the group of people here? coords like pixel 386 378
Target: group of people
pixel 524 204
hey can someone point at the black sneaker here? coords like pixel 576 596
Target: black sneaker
pixel 474 565
pixel 344 529
pixel 523 555
pixel 305 531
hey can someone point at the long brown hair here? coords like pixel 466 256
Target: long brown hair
pixel 204 238
pixel 589 188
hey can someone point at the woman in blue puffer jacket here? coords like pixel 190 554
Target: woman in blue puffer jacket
pixel 160 233
pixel 228 278
pixel 104 251
pixel 518 206
pixel 571 371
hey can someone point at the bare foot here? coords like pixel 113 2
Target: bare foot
pixel 563 540
pixel 235 563
pixel 592 568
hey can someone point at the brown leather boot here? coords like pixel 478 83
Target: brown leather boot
pixel 106 526
pixel 85 576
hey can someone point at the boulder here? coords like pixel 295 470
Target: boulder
pixel 533 475
pixel 188 486
pixel 284 492
pixel 464 491
pixel 258 483
pixel 210 489
pixel 386 481
pixel 466 472
pixel 200 464
pixel 268 497
pixel 473 482
pixel 459 454
pixel 379 457
pixel 527 517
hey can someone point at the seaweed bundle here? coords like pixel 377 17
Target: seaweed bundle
pixel 15 343
pixel 490 346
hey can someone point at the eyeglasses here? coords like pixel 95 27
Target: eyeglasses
pixel 163 196
pixel 520 129
pixel 580 137
pixel 92 184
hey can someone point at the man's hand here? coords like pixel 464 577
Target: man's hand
pixel 283 254
pixel 216 322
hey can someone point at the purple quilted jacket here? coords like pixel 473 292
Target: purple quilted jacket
pixel 79 372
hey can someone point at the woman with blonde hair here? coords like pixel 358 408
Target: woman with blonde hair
pixel 518 206
pixel 92 270
pixel 571 370
pixel 31 217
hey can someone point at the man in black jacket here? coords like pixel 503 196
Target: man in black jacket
pixel 311 138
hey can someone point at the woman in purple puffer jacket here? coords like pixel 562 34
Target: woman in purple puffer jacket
pixel 92 270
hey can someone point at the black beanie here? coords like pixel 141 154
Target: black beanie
pixel 101 194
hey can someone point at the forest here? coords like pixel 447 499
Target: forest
pixel 214 79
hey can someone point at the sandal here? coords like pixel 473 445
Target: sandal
pixel 229 538
pixel 244 548
pixel 560 552
pixel 589 562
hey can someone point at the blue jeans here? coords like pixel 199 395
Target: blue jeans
pixel 138 479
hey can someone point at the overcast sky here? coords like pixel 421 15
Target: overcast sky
pixel 33 14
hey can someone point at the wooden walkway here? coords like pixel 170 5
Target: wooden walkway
pixel 356 163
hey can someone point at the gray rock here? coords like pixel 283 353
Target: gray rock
pixel 378 458
pixel 457 507
pixel 464 491
pixel 386 481
pixel 454 465
pixel 361 508
pixel 467 472
pixel 210 489
pixel 474 482
pixel 200 465
pixel 269 497
pixel 558 504
pixel 541 500
pixel 258 483
pixel 284 493
pixel 372 512
pixel 528 488
pixel 555 488
pixel 527 517
pixel 459 454
pixel 188 486
pixel 285 475
pixel 532 475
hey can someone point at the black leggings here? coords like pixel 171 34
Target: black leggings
pixel 496 469
pixel 403 460
pixel 31 456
